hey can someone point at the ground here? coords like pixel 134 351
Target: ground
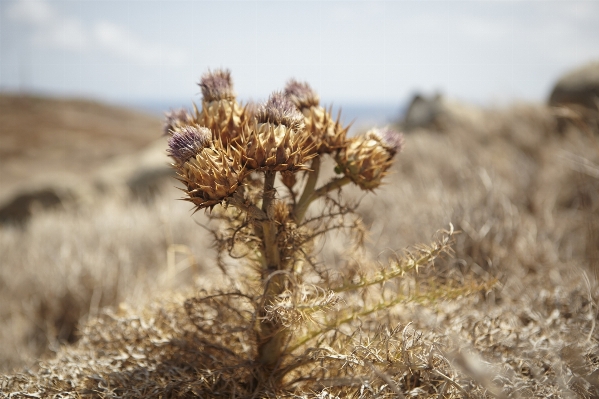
pixel 99 292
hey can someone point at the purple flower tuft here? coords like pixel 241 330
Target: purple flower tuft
pixel 217 85
pixel 186 142
pixel 391 139
pixel 172 119
pixel 301 94
pixel 281 111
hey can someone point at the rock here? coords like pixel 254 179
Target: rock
pixel 576 99
pixel 23 204
pixel 423 112
pixel 140 174
pixel 578 87
pixel 439 113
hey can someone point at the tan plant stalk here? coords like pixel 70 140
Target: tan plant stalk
pixel 234 159
pixel 302 206
pixel 271 334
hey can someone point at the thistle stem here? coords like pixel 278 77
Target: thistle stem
pixel 272 336
pixel 302 206
pixel 330 186
pixel 254 213
pixel 309 188
pixel 271 251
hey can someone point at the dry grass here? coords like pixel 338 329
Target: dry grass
pixel 64 267
pixel 523 196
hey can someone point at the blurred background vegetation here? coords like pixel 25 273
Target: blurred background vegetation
pixel 508 153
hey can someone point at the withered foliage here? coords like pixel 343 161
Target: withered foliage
pixel 205 345
pixel 504 307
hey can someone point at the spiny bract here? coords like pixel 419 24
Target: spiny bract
pixel 219 146
pixel 366 159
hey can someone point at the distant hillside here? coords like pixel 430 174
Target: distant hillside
pixel 44 139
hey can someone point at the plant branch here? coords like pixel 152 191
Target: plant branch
pixel 250 209
pixel 397 271
pixel 302 206
pixel 442 292
pixel 310 185
pixel 271 251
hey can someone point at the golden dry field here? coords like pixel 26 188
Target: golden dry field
pixel 44 138
pixel 97 293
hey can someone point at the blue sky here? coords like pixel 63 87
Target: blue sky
pixel 350 51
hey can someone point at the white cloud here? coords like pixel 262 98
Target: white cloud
pixel 32 12
pixel 122 43
pixel 52 30
pixel 68 35
pixel 48 29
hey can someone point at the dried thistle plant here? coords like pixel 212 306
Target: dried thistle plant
pixel 229 157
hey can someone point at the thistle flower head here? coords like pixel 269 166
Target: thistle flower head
pixel 217 85
pixel 225 118
pixel 366 159
pixel 391 139
pixel 187 141
pixel 301 94
pixel 276 140
pixel 325 135
pixel 279 110
pixel 211 176
pixel 173 119
pixel 268 146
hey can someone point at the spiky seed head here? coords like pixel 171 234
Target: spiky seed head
pixel 226 119
pixel 366 159
pixel 174 119
pixel 220 111
pixel 187 141
pixel 217 85
pixel 391 139
pixel 268 146
pixel 275 141
pixel 325 134
pixel 211 176
pixel 301 94
pixel 279 110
